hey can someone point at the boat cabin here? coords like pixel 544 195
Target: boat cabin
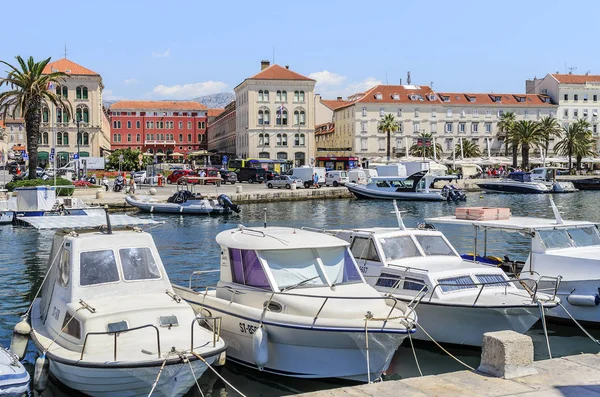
pixel 99 282
pixel 546 173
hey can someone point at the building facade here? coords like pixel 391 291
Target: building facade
pixel 577 97
pixel 59 130
pixel 448 117
pixel 159 126
pixel 275 116
pixel 221 132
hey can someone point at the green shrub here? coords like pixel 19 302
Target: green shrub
pixel 60 191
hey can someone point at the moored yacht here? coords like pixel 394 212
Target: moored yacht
pixel 457 301
pixel 294 303
pixel 515 182
pixel 109 323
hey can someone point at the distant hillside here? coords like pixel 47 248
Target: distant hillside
pixel 210 101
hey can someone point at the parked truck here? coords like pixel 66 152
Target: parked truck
pixel 305 174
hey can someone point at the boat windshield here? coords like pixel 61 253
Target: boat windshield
pixel 311 267
pixel 435 245
pixel 399 247
pixel 569 238
pixel 138 264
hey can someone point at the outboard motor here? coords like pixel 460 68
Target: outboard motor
pixel 119 183
pixel 226 202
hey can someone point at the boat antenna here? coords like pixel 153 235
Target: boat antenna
pixel 398 213
pixel 265 223
pixel 108 225
pixel 559 220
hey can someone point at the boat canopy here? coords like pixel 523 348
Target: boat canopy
pixel 518 224
pixel 276 238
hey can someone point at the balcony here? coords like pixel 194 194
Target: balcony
pixel 162 143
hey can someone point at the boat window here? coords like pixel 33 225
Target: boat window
pixel 290 267
pixel 585 236
pixel 71 326
pixel 414 284
pixel 363 248
pixel 64 268
pixel 339 265
pixel 247 270
pixel 168 321
pixel 97 267
pixel 387 280
pixel 492 278
pixel 405 184
pixel 382 184
pixel 558 238
pixel 435 245
pixel 399 247
pixel 138 264
pixel 456 283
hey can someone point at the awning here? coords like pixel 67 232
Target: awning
pixel 43 155
pixel 63 155
pixel 18 148
pixel 84 154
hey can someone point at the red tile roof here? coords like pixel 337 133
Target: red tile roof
pixel 575 78
pixel 325 128
pixel 399 94
pixel 471 99
pixel 276 72
pixel 158 105
pixel 69 67
pixel 334 103
pixel 215 112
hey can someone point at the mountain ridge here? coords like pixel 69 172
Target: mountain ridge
pixel 212 101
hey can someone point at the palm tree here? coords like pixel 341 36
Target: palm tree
pixel 417 151
pixel 576 140
pixel 505 125
pixel 28 89
pixel 388 125
pixel 527 135
pixel 550 128
pixel 469 149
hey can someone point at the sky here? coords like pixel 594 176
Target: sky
pixel 181 49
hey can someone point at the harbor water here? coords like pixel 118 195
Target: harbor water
pixel 187 244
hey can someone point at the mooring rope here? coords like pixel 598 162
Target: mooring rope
pixel 162 367
pixel 414 353
pixel 194 375
pixel 367 347
pixel 218 374
pixel 444 350
pixel 543 318
pixel 579 325
pixel 43 281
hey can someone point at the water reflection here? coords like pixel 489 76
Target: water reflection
pixel 187 244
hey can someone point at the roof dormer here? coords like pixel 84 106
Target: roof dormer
pixel 378 96
pixel 396 96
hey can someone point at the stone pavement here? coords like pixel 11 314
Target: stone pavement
pixel 571 376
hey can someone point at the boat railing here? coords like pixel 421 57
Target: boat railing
pixel 216 329
pixel 116 334
pixel 199 273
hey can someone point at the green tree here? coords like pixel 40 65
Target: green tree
pixel 388 125
pixel 550 129
pixel 417 151
pixel 28 89
pixel 469 149
pixel 505 126
pixel 130 160
pixel 527 135
pixel 575 140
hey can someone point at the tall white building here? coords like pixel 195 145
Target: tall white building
pixel 275 115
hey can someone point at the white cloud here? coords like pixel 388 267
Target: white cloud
pixel 362 86
pixel 162 54
pixel 187 91
pixel 326 78
pixel 130 81
pixel 108 95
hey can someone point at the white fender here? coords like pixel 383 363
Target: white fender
pixel 583 300
pixel 18 344
pixel 40 374
pixel 260 347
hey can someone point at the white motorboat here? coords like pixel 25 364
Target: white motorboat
pixel 547 175
pixel 457 301
pixel 37 201
pixel 109 322
pixel 417 186
pixel 185 202
pixel 14 378
pixel 7 215
pixel 564 249
pixel 294 303
pixel 538 180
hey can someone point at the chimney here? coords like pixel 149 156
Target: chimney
pixel 287 66
pixel 339 98
pixel 264 65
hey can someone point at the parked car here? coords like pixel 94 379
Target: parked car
pixel 251 175
pixel 210 175
pixel 336 178
pixel 177 174
pixel 285 181
pixel 228 176
pixel 271 174
pixel 139 177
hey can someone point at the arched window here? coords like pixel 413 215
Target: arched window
pixel 282 117
pixel 278 141
pixel 261 139
pixel 137 124
pixel 128 137
pixel 138 138
pixel 62 138
pixel 189 137
pixel 282 156
pixel 296 117
pixel 296 139
pixel 58 115
pixel 86 138
pixel 78 92
pixel 45 114
pixel 180 137
pixel 261 117
pixel 266 96
pixel 150 151
pixel 84 93
pixel 181 125
pixel 301 96
pixel 263 155
pixel 199 138
pixel 284 96
pixel 302 143
pixel 267 118
pixel 299 159
pixel 296 96
pixel 43 138
pixel 58 90
pixel 65 92
pixel 302 118
pixel 260 96
pixel 278 96
pixel 128 125
pixel 284 140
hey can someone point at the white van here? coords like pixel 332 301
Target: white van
pixel 336 178
pixel 306 175
pixel 358 175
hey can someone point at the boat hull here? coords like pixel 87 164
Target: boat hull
pixel 587 184
pixel 366 193
pixel 589 315
pixel 203 208
pixel 465 325
pixel 491 187
pixel 6 217
pixel 14 378
pixel 301 351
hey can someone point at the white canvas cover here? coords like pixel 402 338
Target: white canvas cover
pixel 40 198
